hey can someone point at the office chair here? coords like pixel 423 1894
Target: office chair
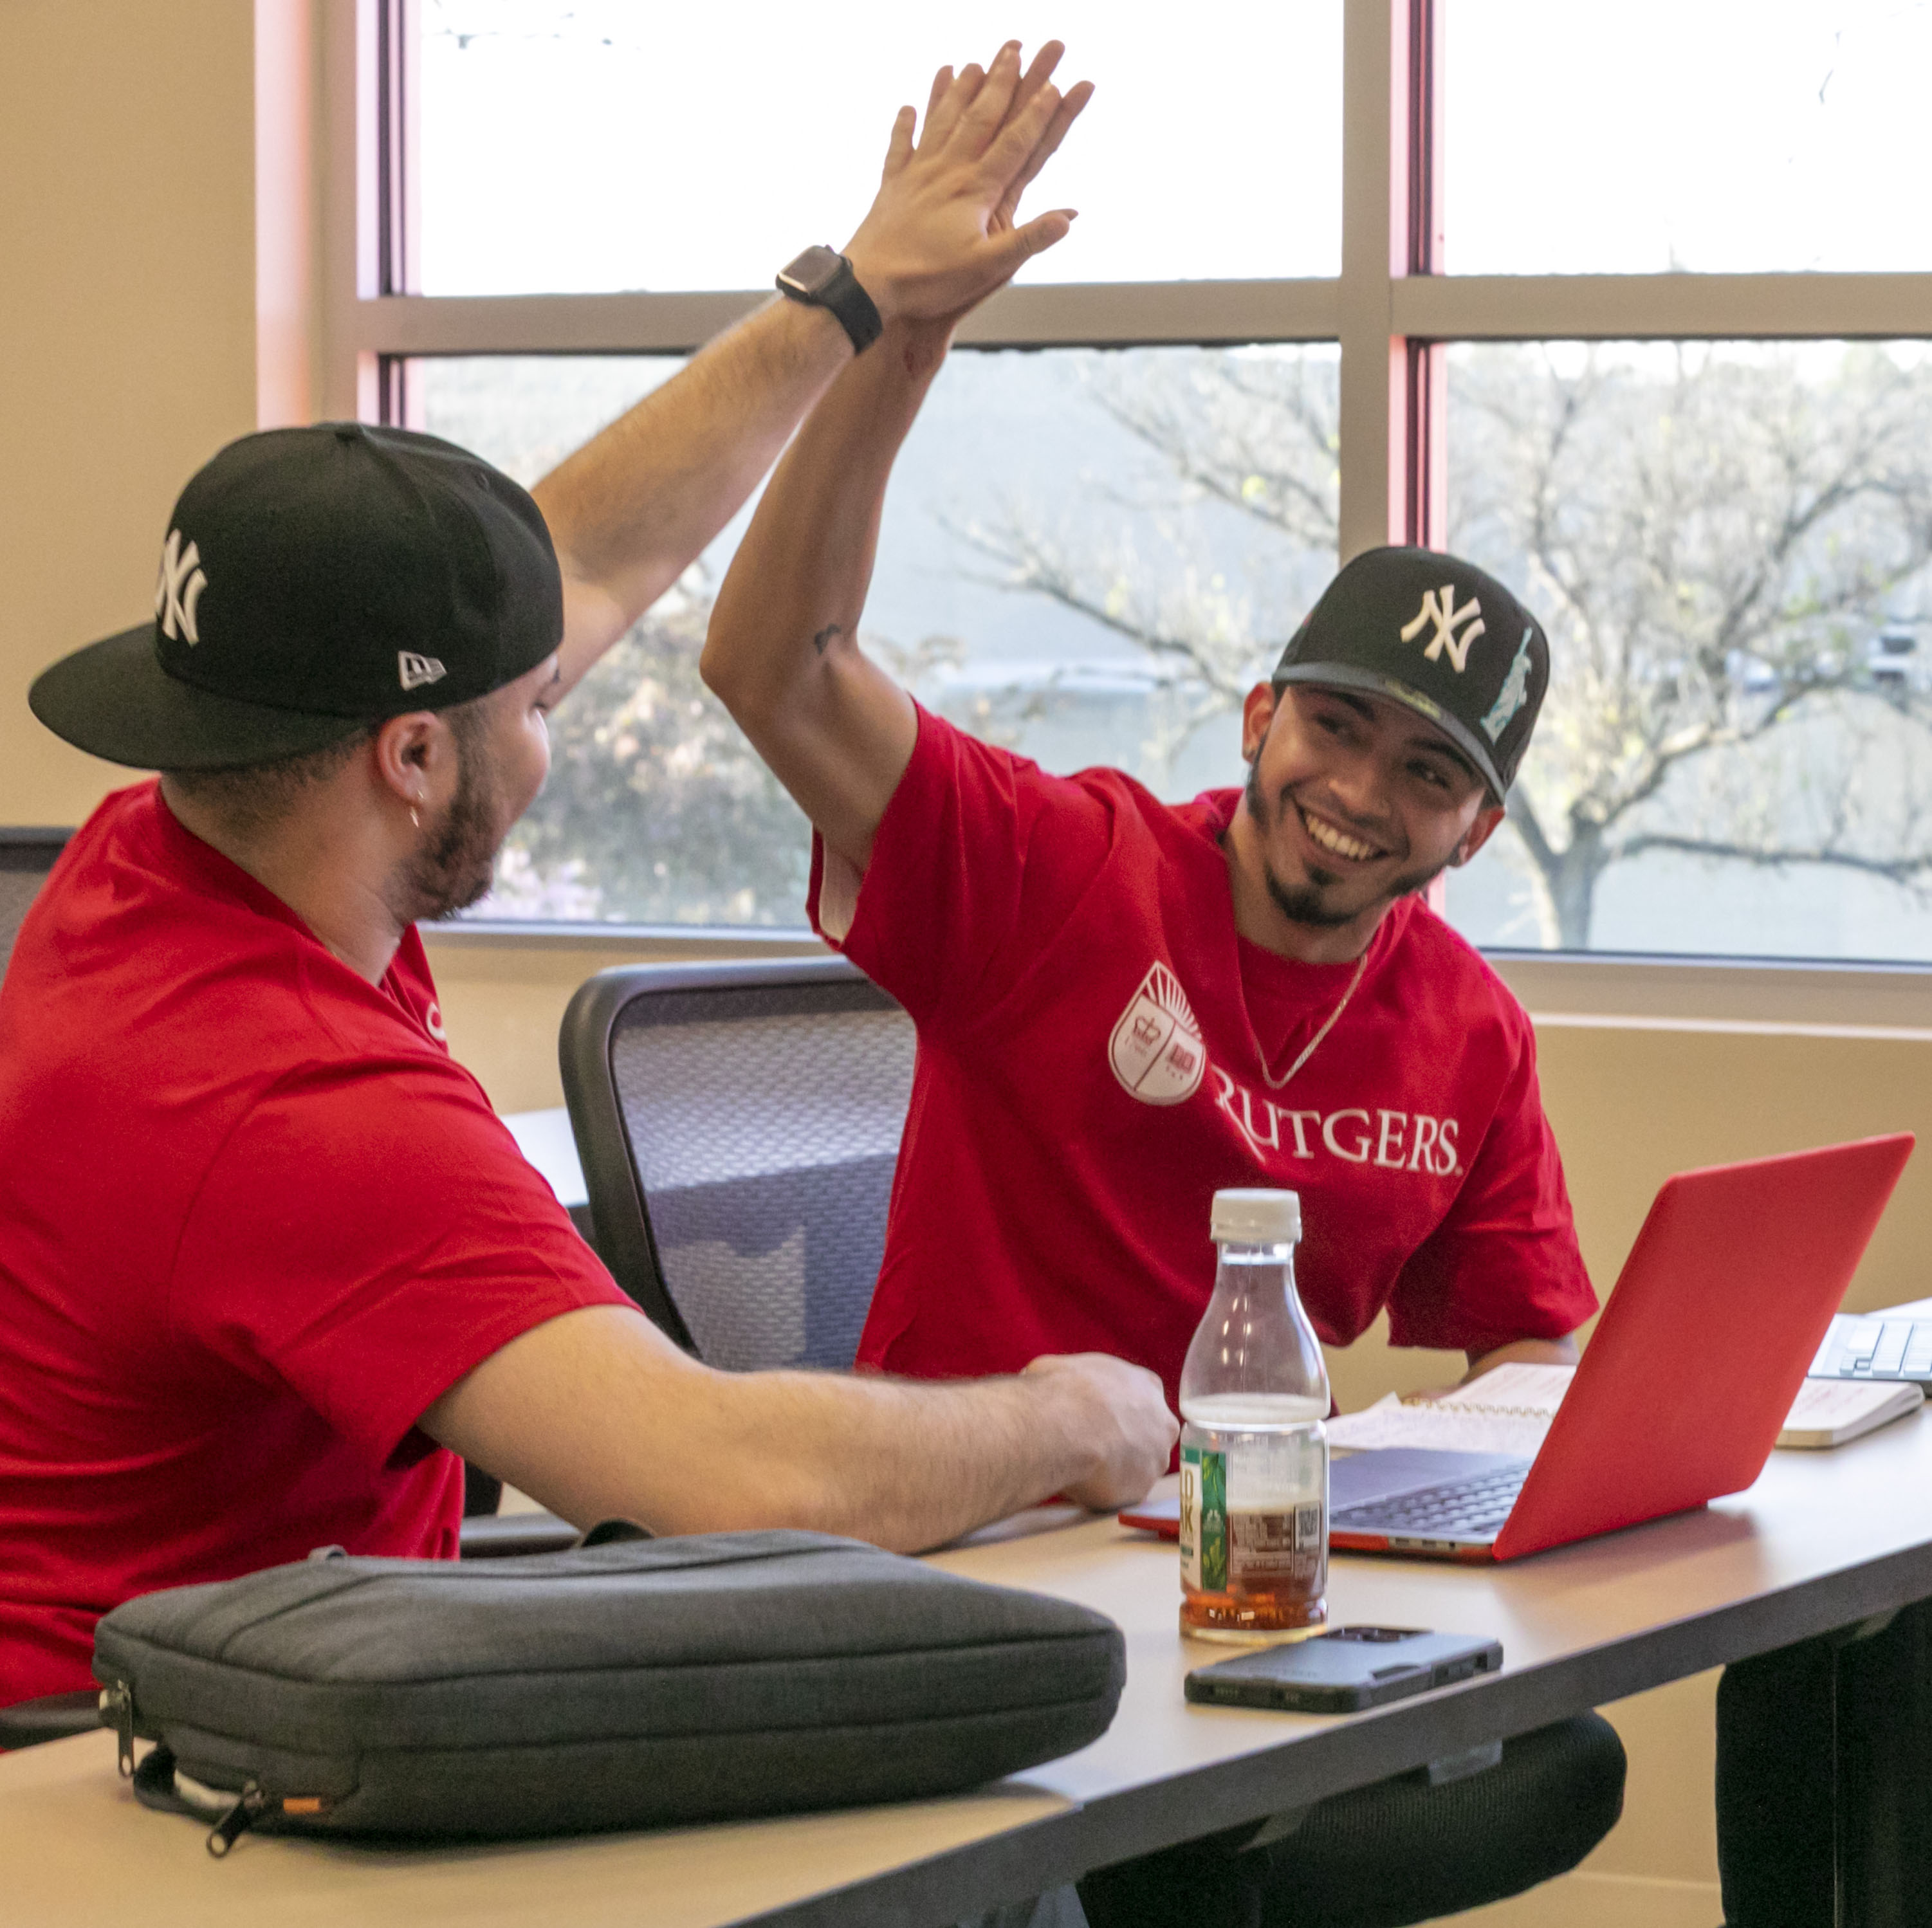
pixel 738 1125
pixel 26 858
pixel 1390 1855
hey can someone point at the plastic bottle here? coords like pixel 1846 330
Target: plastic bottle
pixel 1254 1451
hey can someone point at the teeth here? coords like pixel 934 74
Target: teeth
pixel 1329 838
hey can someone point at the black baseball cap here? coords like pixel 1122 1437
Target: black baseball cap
pixel 1437 634
pixel 314 581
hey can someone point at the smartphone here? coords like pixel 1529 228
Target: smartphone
pixel 1346 1669
pixel 1161 1515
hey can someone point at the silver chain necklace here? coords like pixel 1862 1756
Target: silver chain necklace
pixel 1268 1078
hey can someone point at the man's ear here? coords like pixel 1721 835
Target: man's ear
pixel 1479 832
pixel 1257 718
pixel 409 750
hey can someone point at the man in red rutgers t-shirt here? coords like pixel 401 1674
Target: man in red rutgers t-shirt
pixel 1123 1004
pixel 268 1253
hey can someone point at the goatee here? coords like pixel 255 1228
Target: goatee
pixel 1308 904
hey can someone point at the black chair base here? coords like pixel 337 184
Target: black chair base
pixel 1387 1856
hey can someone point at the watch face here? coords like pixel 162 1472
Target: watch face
pixel 811 272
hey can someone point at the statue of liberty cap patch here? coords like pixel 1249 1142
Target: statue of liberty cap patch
pixel 1155 1050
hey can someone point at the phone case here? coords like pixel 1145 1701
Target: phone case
pixel 1345 1670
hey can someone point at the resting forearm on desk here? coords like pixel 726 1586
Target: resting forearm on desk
pixel 596 1415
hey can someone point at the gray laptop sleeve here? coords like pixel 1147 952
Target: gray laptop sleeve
pixel 635 1684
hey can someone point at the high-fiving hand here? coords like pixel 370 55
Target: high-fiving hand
pixel 941 235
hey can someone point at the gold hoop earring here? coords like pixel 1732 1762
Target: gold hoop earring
pixel 415 822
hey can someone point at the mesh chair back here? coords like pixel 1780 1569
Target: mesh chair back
pixel 739 1125
pixel 26 858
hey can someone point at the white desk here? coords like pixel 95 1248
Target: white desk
pixel 545 1138
pixel 1822 1541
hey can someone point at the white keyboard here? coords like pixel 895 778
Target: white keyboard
pixel 1871 1346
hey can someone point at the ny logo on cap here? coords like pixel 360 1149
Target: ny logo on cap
pixel 1447 619
pixel 179 588
pixel 416 670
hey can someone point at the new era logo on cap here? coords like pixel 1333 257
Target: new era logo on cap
pixel 416 670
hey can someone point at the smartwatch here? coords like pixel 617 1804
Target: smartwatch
pixel 821 278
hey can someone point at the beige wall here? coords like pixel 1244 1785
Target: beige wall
pixel 127 326
pixel 127 355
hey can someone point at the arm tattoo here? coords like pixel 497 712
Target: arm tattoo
pixel 823 640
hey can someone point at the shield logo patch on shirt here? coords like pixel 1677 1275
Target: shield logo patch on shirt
pixel 1155 1050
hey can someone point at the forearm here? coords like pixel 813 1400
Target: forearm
pixel 596 1415
pixel 806 561
pixel 782 650
pixel 905 1466
pixel 631 510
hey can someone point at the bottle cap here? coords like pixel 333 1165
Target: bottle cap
pixel 1256 1217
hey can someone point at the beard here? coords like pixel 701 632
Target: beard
pixel 454 864
pixel 1314 903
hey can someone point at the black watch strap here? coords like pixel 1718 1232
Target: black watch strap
pixel 822 278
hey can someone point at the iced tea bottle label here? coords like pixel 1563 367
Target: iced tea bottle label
pixel 1204 1519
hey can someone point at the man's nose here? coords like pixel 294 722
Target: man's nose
pixel 1360 792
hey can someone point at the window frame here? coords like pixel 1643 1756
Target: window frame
pixel 1391 310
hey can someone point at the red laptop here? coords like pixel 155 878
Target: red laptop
pixel 1722 1305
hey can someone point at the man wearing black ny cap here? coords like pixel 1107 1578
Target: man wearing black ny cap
pixel 268 1250
pixel 1124 1005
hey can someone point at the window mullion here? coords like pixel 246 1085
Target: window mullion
pixel 1423 431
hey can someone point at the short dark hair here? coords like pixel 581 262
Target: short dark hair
pixel 250 798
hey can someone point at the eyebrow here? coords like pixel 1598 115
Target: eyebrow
pixel 1366 710
pixel 1444 747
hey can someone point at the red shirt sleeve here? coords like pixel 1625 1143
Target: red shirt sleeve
pixel 366 1235
pixel 1503 1265
pixel 976 845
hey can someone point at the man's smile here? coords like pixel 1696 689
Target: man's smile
pixel 1337 841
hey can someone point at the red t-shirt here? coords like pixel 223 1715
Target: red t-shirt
pixel 256 1222
pixel 1092 1033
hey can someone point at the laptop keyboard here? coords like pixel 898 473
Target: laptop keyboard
pixel 1476 1506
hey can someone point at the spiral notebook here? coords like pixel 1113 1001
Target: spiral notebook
pixel 1508 1410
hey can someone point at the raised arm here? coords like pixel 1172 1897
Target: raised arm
pixel 631 510
pixel 782 651
pixel 598 1415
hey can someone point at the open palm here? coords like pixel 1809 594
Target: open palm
pixel 943 232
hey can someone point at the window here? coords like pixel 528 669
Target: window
pixel 1088 553
pixel 1547 316
pixel 1729 136
pixel 562 141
